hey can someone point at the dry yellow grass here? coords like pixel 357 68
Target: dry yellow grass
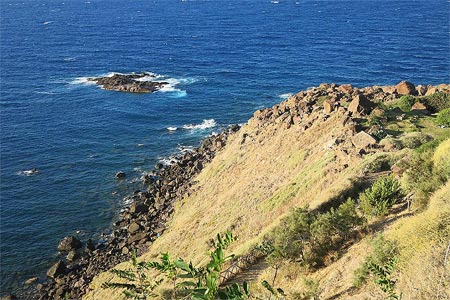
pixel 251 185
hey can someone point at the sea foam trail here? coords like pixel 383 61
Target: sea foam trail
pixel 204 125
pixel 285 96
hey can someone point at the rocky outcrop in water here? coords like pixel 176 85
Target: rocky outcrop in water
pixel 138 226
pixel 129 83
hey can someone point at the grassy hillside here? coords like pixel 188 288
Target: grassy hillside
pixel 298 154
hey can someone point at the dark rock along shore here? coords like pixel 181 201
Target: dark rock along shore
pixel 140 224
pixel 129 83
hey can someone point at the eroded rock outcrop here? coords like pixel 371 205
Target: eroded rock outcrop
pixel 132 83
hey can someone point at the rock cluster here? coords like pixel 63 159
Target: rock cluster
pixel 139 224
pixel 129 83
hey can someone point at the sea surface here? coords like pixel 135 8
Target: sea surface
pixel 223 59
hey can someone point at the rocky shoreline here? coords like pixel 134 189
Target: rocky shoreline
pixel 138 226
pixel 131 83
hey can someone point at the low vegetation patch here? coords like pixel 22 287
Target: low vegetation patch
pixel 437 101
pixel 380 197
pixel 443 117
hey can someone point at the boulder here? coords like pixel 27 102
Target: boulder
pixel 419 107
pixel 73 255
pixel 360 105
pixel 327 107
pixel 363 140
pixel 421 90
pixel 138 208
pixel 120 175
pixel 405 88
pixel 388 89
pixel 69 243
pixel 134 227
pixel 57 269
pixel 345 88
pixel 31 280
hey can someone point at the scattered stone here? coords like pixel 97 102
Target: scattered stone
pixel 327 106
pixel 421 90
pixel 57 269
pixel 419 107
pixel 345 88
pixel 133 227
pixel 363 140
pixel 73 255
pixel 405 88
pixel 360 105
pixel 31 280
pixel 69 243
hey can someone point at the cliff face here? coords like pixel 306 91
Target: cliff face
pixel 315 149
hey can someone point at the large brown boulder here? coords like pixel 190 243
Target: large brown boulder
pixel 363 140
pixel 419 107
pixel 360 105
pixel 405 88
pixel 327 106
pixel 345 88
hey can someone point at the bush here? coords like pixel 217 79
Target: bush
pixel 438 101
pixel 405 102
pixel 308 239
pixel 378 199
pixel 443 117
pixel 290 238
pixel 414 140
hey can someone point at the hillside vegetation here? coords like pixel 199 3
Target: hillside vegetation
pixel 325 192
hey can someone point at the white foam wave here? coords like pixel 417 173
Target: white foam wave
pixel 204 125
pixel 185 149
pixel 82 80
pixel 167 161
pixel 28 172
pixel 47 22
pixel 172 128
pixel 285 96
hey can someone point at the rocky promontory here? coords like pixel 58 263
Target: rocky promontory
pixel 359 114
pixel 132 83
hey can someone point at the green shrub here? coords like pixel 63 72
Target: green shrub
pixel 414 140
pixel 405 102
pixel 290 238
pixel 443 117
pixel 378 199
pixel 307 239
pixel 438 101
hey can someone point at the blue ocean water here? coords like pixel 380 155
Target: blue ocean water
pixel 224 59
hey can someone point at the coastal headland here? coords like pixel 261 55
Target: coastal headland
pixel 315 149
